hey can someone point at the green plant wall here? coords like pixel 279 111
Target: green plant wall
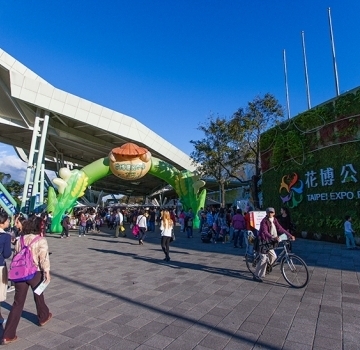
pixel 311 164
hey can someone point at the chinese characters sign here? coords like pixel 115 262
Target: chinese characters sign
pixel 323 180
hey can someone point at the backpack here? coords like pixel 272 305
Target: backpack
pixel 22 267
pixel 135 230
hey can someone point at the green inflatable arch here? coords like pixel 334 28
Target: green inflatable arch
pixel 73 184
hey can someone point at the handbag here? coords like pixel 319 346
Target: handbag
pixel 172 239
pixel 122 228
pixel 135 230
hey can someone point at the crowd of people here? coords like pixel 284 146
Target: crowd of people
pixel 231 225
pixel 27 234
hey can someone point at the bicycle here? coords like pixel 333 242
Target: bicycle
pixel 292 267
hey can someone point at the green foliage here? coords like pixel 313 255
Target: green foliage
pixel 295 144
pixel 324 137
pixel 217 154
pixel 279 152
pixel 267 139
pixel 321 216
pixel 15 188
pixel 230 143
pixel 309 121
pixel 260 114
pixel 4 177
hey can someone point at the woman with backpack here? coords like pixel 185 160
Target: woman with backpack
pixel 5 252
pixel 39 252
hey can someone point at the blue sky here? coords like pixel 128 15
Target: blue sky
pixel 171 64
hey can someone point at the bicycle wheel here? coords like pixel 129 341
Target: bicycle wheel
pixel 251 261
pixel 295 271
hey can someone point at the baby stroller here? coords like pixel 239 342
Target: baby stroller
pixel 206 234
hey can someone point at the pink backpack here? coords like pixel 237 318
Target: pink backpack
pixel 135 230
pixel 22 267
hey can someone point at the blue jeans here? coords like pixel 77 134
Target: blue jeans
pixel 82 230
pixel 189 231
pixel 238 234
pixel 350 242
pixel 249 247
pixel 152 226
pixel 142 233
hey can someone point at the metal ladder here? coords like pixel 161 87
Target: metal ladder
pixel 33 194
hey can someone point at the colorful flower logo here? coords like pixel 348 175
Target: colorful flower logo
pixel 291 189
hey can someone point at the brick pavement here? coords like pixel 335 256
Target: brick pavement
pixel 109 293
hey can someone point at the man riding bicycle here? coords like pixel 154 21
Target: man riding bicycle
pixel 267 239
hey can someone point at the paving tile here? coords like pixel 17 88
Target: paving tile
pixel 53 341
pixel 290 345
pixel 187 340
pixel 20 345
pixel 252 327
pixel 269 342
pixel 242 340
pixel 75 331
pixel 106 341
pixel 70 344
pixel 350 346
pixel 89 347
pixel 89 336
pixel 327 343
pixel 158 341
pixel 172 331
pixel 212 341
pixel 190 304
pixel 302 337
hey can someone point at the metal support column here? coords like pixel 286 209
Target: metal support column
pixel 33 191
pixel 38 188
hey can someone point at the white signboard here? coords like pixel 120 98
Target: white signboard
pixel 256 217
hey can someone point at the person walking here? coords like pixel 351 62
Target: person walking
pixel 182 216
pixel 200 216
pixel 5 252
pixel 239 225
pixel 285 222
pixel 189 221
pixel 268 237
pixel 82 225
pixel 166 227
pixel 349 233
pixel 30 229
pixel 65 227
pixel 119 221
pixel 141 222
pixel 152 216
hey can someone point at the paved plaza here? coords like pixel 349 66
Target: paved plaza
pixel 111 293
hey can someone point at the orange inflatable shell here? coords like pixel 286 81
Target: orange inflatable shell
pixel 129 149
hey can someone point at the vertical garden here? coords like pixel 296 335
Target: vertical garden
pixel 311 164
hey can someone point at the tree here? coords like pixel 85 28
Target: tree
pixel 4 177
pixel 15 188
pixel 217 154
pixel 258 116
